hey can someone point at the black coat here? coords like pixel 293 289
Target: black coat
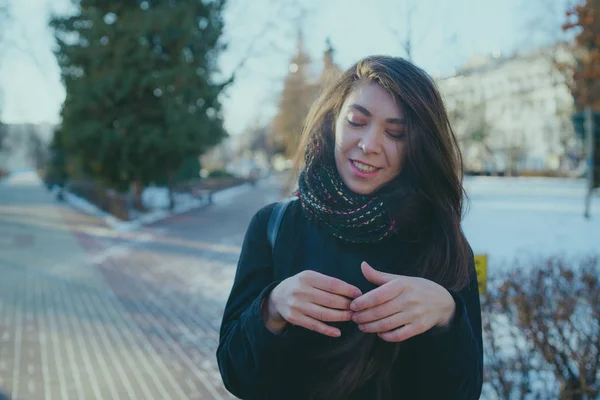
pixel 257 364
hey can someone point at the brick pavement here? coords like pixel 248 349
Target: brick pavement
pixel 121 317
pixel 67 341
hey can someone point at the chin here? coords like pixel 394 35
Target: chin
pixel 361 188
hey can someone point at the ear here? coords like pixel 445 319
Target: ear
pixel 377 277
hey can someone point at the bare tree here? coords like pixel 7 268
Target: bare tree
pixel 3 135
pixel 37 149
pixel 408 37
pixel 547 18
pixel 542 328
pixel 545 31
pixel 408 40
pixel 265 41
pixel 473 134
pixel 4 18
pixel 412 34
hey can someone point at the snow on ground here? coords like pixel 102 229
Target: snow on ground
pixel 524 218
pixel 156 200
pixel 507 218
pixel 527 218
pixel 226 197
pixel 23 177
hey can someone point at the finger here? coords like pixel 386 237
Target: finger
pixel 325 314
pixel 377 296
pixel 329 300
pixel 315 325
pixel 380 311
pixel 377 277
pixel 332 285
pixel 400 334
pixel 386 324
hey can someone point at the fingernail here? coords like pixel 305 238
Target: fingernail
pixel 357 293
pixel 354 318
pixel 353 306
pixel 337 334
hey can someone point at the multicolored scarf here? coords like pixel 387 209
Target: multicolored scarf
pixel 348 216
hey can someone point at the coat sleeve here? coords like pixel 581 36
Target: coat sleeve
pixel 248 352
pixel 450 360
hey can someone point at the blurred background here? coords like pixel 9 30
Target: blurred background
pixel 138 138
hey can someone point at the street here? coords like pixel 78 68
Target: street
pixel 90 313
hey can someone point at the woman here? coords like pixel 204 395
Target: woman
pixel 370 292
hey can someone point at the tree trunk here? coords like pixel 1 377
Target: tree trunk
pixel 571 390
pixel 170 187
pixel 137 195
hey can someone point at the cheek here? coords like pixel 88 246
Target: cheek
pixel 401 154
pixel 396 154
pixel 338 150
pixel 341 139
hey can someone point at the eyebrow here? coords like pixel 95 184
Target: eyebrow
pixel 400 121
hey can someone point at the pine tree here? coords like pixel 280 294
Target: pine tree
pixel 331 71
pixel 56 169
pixel 296 98
pixel 141 95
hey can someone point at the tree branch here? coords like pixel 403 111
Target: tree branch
pixel 270 25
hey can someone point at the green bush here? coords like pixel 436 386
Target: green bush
pixel 220 173
pixel 106 199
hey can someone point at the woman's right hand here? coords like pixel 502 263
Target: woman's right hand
pixel 309 299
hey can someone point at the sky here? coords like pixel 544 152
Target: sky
pixel 262 38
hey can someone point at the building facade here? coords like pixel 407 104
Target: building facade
pixel 513 114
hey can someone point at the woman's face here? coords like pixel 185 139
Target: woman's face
pixel 370 141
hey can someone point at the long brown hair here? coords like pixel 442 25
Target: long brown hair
pixel 426 198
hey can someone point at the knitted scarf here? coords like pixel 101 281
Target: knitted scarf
pixel 348 216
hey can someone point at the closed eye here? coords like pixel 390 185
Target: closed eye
pixel 356 124
pixel 397 135
pixel 394 135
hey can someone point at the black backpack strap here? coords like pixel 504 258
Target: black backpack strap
pixel 275 221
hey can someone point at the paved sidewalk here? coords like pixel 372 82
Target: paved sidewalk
pixel 82 316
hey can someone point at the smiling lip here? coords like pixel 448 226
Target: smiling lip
pixel 367 164
pixel 362 174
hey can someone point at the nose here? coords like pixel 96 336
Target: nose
pixel 370 140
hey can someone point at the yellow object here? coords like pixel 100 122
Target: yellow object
pixel 481 269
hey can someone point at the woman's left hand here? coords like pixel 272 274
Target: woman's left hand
pixel 402 306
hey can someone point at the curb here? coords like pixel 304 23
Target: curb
pixel 148 218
